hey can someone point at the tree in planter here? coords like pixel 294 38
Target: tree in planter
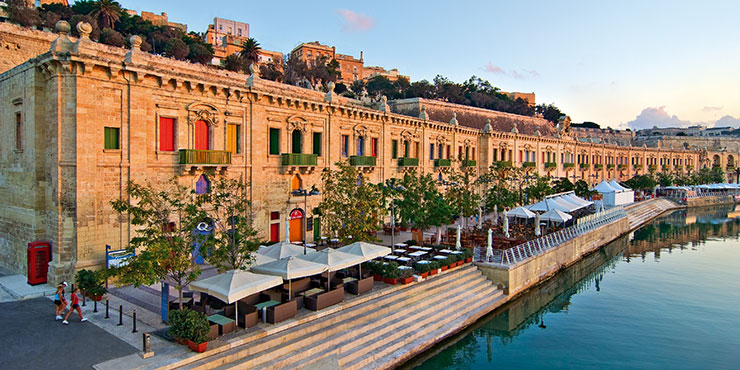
pixel 461 194
pixel 163 221
pixel 420 204
pixel 91 282
pixel 351 206
pixel 178 324
pixel 197 327
pixel 234 238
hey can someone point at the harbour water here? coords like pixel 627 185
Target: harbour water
pixel 665 297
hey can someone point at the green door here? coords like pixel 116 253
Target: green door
pixel 316 229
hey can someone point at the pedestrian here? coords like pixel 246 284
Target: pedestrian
pixel 75 306
pixel 59 301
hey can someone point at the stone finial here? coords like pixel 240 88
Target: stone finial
pixel 330 96
pixel 453 121
pixel 85 29
pixel 62 43
pixel 424 115
pixel 135 54
pixel 538 133
pixel 514 130
pixel 254 75
pixel 135 42
pixel 487 127
pixel 383 105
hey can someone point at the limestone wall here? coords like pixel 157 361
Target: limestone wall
pixel 19 44
pixel 523 275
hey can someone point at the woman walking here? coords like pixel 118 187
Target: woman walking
pixel 75 307
pixel 59 301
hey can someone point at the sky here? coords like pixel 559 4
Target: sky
pixel 621 64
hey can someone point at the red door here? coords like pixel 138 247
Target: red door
pixel 201 135
pixel 275 232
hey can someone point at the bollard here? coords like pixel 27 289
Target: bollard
pixel 120 315
pixel 83 298
pixel 146 342
pixel 107 306
pixel 95 306
pixel 134 320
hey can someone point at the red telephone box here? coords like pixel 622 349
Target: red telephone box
pixel 39 256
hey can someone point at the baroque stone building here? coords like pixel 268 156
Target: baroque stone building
pixel 82 119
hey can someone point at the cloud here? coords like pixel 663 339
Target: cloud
pixel 658 117
pixel 519 75
pixel 713 109
pixel 354 21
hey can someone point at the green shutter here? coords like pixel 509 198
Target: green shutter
pixel 317 143
pixel 111 138
pixel 274 141
pixel 394 149
pixel 316 227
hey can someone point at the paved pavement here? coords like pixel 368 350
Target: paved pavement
pixel 34 340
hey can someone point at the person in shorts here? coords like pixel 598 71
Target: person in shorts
pixel 75 307
pixel 59 301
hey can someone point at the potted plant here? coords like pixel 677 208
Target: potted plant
pixel 178 329
pixel 444 263
pixel 468 253
pixel 92 283
pixel 390 273
pixel 376 269
pixel 198 328
pixel 422 269
pixel 406 276
pixel 433 268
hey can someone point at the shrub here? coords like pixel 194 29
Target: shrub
pixel 422 267
pixel 91 282
pixel 178 320
pixel 197 326
pixel 411 242
pixel 405 273
pixel 467 252
pixel 390 270
pixel 375 268
pixel 111 37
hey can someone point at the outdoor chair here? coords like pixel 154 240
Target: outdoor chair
pixel 324 300
pixel 248 315
pixel 213 332
pixel 281 312
pixel 358 287
pixel 229 311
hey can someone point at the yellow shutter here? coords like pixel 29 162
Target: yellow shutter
pixel 231 138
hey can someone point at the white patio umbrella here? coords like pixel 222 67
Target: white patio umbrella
pixel 489 249
pixel 234 285
pixel 495 214
pixel 261 259
pixel 506 225
pixel 457 241
pixel 290 268
pixel 366 250
pixel 521 212
pixel 537 231
pixel 283 249
pixel 334 260
pixel 556 215
pixel 287 231
pixel 480 217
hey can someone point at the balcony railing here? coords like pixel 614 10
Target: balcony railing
pixel 568 165
pixel 528 165
pixel 215 157
pixel 666 168
pixel 679 168
pixel 730 167
pixel 638 167
pixel 598 166
pixel 503 164
pixel 653 167
pixel 468 163
pixel 299 159
pixel 441 162
pixel 362 160
pixel 610 166
pixel 408 162
pixel 585 166
pixel 551 165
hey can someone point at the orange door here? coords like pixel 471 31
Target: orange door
pixel 201 135
pixel 296 230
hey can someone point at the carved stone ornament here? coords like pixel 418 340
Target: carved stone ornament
pixel 297 123
pixel 202 112
pixel 406 135
pixel 360 130
pixel 453 121
pixel 423 115
pixel 487 127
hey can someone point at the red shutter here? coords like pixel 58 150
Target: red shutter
pixel 201 135
pixel 374 146
pixel 166 134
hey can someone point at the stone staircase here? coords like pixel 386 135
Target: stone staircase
pixel 642 212
pixel 376 334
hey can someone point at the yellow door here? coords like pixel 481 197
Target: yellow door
pixel 296 230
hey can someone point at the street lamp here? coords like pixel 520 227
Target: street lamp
pixel 393 207
pixel 305 194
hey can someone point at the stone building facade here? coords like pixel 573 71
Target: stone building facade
pixel 82 119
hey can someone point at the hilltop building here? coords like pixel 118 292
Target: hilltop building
pixel 351 68
pixel 158 19
pixel 227 37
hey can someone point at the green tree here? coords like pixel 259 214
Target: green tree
pixel 234 238
pixel 176 48
pixel 665 179
pixel 107 12
pixel 351 206
pixel 250 53
pixel 582 189
pixel 272 71
pixel 644 183
pixel 550 112
pixel 111 37
pixel 562 185
pixel 163 221
pixel 461 194
pixel 233 63
pixel 21 14
pixel 199 53
pixel 539 188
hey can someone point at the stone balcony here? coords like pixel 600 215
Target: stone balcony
pixel 468 163
pixel 193 159
pixel 298 162
pixel 441 162
pixel 408 162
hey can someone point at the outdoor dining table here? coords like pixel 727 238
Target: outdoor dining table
pixel 424 262
pixel 225 324
pixel 446 251
pixel 418 254
pixel 263 308
pixel 426 249
pixel 389 257
pixel 310 245
pixel 403 259
pixel 457 252
pixel 440 257
pixel 416 247
pixel 313 291
pixel 401 245
pixel 404 268
pixel 399 251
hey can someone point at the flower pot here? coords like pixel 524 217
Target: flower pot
pixel 182 341
pixel 432 272
pixel 407 280
pixel 444 268
pixel 97 298
pixel 390 281
pixel 377 278
pixel 424 275
pixel 459 263
pixel 469 259
pixel 197 347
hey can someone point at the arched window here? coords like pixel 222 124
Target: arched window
pixel 297 140
pixel 203 185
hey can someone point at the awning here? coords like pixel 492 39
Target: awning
pixel 555 216
pixel 604 187
pixel 521 212
pixel 366 250
pixel 283 249
pixel 618 186
pixel 290 268
pixel 333 259
pixel 234 285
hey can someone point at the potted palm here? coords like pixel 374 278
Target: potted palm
pixel 390 273
pixel 178 329
pixel 198 328
pixel 433 268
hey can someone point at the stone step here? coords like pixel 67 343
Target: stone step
pixel 248 348
pixel 280 357
pixel 424 335
pixel 407 328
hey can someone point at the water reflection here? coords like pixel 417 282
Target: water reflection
pixel 528 315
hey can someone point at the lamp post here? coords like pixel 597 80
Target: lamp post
pixel 305 194
pixel 393 207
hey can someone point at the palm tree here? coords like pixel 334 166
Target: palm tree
pixel 250 52
pixel 108 12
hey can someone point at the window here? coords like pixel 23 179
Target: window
pixel 112 138
pixel 166 134
pixel 448 152
pixel 317 143
pixel 274 216
pixel 18 131
pixel 439 151
pixel 345 145
pixel 275 141
pixel 495 155
pixel 297 142
pixel 467 152
pixel 459 153
pixel 233 138
pixel 374 147
pixel 394 149
pixel 431 151
pixel 416 150
pixel 360 145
